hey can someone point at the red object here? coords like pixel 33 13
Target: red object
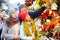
pixel 51 27
pixel 59 21
pixel 22 15
pixel 54 13
pixel 45 14
pixel 45 28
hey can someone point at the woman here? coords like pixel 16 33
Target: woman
pixel 28 27
pixel 11 30
pixel 1 24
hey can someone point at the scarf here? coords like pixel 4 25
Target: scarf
pixel 12 21
pixel 27 31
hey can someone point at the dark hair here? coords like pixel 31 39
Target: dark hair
pixel 21 6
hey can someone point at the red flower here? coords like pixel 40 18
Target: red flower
pixel 54 13
pixel 45 28
pixel 46 12
pixel 51 27
pixel 43 16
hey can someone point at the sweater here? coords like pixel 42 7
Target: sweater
pixel 8 33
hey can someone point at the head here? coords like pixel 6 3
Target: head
pixel 24 16
pixel 23 8
pixel 12 20
pixel 2 14
pixel 23 13
pixel 13 13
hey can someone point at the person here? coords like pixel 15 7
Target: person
pixel 27 24
pixel 1 24
pixel 11 30
pixel 3 19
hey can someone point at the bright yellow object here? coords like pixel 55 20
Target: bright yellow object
pixel 30 7
pixel 37 4
pixel 27 30
pixel 45 0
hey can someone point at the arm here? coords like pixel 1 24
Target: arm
pixel 22 35
pixel 37 13
pixel 5 34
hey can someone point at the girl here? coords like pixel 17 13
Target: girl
pixel 11 30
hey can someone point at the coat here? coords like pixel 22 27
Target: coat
pixel 33 15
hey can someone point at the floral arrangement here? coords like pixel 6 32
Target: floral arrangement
pixel 52 18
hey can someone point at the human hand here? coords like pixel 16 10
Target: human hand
pixel 47 4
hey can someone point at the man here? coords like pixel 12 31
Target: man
pixel 28 27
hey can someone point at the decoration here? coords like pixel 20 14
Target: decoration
pixel 39 3
pixel 45 0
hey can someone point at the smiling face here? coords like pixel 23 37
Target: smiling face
pixel 28 18
pixel 14 14
pixel 23 9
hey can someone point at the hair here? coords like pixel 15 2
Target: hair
pixel 21 6
pixel 10 22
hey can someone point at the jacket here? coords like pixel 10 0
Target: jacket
pixel 35 14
